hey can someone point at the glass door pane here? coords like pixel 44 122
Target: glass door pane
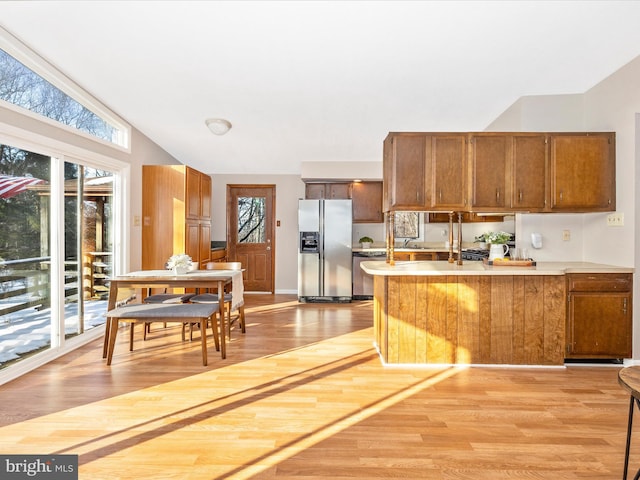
pixel 25 261
pixel 88 246
pixel 251 212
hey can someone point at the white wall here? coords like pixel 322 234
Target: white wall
pixel 289 188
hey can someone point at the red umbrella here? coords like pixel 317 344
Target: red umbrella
pixel 11 186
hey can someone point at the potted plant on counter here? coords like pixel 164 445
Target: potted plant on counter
pixel 481 240
pixel 366 242
pixel 497 237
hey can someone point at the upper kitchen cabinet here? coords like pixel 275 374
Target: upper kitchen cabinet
pixel 176 212
pixel 424 171
pixel 367 202
pixel 508 172
pixel 446 166
pixel 404 171
pixel 582 172
pixel 529 172
pixel 334 190
pixel 198 194
pixel 490 167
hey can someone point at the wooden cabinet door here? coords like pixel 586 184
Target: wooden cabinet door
pixel 490 165
pixel 205 197
pixel 314 191
pixel 204 243
pixel 405 174
pixel 529 172
pixel 599 315
pixel 446 166
pixel 582 172
pixel 367 202
pixel 339 191
pixel 192 240
pixel 599 325
pixel 192 193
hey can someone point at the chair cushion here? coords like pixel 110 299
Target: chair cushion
pixel 168 298
pixel 180 310
pixel 209 298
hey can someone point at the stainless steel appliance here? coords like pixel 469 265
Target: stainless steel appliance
pixel 324 250
pixel 362 281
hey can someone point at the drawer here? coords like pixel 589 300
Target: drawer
pixel 610 282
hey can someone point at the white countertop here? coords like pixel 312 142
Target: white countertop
pixel 479 268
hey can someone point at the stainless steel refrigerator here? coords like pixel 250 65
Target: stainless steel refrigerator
pixel 324 250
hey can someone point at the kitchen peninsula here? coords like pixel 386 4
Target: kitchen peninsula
pixel 436 312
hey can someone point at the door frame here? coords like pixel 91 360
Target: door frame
pixel 231 246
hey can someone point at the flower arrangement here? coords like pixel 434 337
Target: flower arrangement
pixel 181 261
pixel 497 237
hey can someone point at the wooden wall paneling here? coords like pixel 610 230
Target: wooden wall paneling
pixel 554 319
pixel 519 307
pixel 484 320
pixel 534 320
pixel 436 312
pixel 393 310
pixel 407 327
pixel 379 314
pixel 451 327
pixel 421 319
pixel 501 319
pixel 468 341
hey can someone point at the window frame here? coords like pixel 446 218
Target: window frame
pixel 50 73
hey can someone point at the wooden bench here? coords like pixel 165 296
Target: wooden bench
pixel 185 313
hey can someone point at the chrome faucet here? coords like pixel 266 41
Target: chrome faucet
pixel 406 242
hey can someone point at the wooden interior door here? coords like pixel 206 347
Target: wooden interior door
pixel 250 234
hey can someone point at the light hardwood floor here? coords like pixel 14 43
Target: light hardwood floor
pixel 304 396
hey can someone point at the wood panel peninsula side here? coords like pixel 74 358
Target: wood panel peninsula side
pixel 433 312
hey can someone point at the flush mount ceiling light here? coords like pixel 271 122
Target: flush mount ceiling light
pixel 219 126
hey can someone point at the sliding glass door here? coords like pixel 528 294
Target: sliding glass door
pixel 56 249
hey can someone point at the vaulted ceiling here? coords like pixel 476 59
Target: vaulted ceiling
pixel 320 81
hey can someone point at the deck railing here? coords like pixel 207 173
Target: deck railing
pixel 25 283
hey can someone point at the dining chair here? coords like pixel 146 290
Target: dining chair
pixel 213 297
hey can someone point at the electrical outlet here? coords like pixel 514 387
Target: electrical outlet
pixel 615 219
pixel 566 235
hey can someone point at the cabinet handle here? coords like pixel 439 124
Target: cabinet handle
pixel 624 306
pixel 560 195
pixel 440 195
pixel 498 195
pixel 520 196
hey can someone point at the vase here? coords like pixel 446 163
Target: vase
pixel 179 270
pixel 498 250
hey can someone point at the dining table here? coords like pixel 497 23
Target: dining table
pixel 217 280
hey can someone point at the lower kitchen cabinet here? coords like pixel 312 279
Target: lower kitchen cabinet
pixel 599 316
